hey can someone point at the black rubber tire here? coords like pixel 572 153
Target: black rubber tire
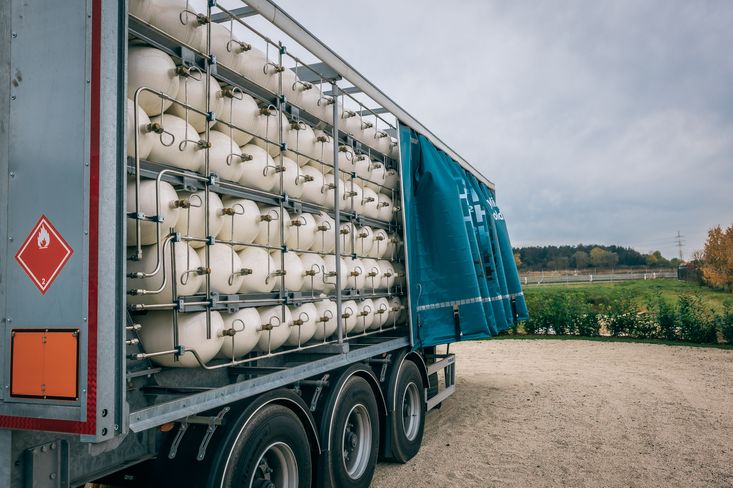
pixel 274 423
pixel 356 391
pixel 403 448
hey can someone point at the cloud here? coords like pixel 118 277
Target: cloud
pixel 608 121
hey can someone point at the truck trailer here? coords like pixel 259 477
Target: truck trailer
pixel 227 257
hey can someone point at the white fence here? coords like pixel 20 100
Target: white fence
pixel 542 279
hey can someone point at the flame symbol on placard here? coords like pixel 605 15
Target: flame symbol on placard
pixel 43 238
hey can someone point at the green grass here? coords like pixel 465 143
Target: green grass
pixel 644 291
pixel 610 339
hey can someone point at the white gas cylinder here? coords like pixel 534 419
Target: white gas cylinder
pixel 364 241
pixel 187 279
pixel 180 19
pixel 347 235
pixel 301 143
pixel 294 270
pixel 239 223
pixel 303 232
pixel 385 208
pixel 225 157
pixel 191 220
pixel 142 9
pixel 241 332
pixel 391 179
pixel 379 246
pixel 192 92
pixel 323 148
pixel 381 312
pixel 167 210
pixel 259 168
pixel 394 149
pixel 225 266
pixel 349 315
pixel 394 243
pixel 325 239
pixel 356 274
pixel 156 334
pixel 330 274
pixel 276 322
pixel 303 325
pixel 292 180
pixel 388 273
pixel 258 270
pixel 229 50
pixel 269 226
pixel 377 173
pixel 294 89
pixel 384 143
pixel 370 200
pixel 313 190
pixel 326 323
pixel 241 111
pixel 314 268
pixel 400 274
pixel 372 274
pixel 177 145
pixel 346 159
pixel 352 193
pixel 267 130
pixel 252 65
pixel 362 166
pixel 366 315
pixel 151 68
pixel 329 186
pixel 145 138
pixel 396 310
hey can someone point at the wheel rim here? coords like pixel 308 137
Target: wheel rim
pixel 411 411
pixel 276 468
pixel 356 441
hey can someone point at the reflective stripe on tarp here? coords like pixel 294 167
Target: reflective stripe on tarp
pixel 462 276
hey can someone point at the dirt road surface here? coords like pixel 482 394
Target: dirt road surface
pixel 578 413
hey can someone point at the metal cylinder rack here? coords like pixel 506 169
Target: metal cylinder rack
pixel 192 61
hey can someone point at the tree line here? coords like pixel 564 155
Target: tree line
pixel 581 256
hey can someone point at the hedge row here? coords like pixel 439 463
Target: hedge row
pixel 573 313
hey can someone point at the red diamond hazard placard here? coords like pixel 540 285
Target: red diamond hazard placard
pixel 43 254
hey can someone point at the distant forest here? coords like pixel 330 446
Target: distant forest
pixel 535 258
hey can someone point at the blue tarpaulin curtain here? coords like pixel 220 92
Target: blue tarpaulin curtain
pixel 462 276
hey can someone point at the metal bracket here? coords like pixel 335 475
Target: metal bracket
pixel 47 465
pixel 211 422
pixel 214 422
pixel 320 385
pixel 385 362
pixel 177 440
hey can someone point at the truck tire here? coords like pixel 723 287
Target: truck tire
pixel 354 437
pixel 408 420
pixel 272 450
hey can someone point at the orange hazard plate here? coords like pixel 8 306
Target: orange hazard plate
pixel 45 364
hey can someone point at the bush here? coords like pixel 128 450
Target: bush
pixel 666 319
pixel 645 326
pixel 726 322
pixel 621 315
pixel 587 324
pixel 695 322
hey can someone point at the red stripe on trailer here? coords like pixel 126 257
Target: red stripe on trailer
pixel 89 426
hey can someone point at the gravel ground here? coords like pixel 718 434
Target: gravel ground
pixel 578 413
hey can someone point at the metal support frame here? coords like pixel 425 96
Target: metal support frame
pixel 446 363
pixel 282 20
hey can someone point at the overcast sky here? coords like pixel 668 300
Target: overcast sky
pixel 599 121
